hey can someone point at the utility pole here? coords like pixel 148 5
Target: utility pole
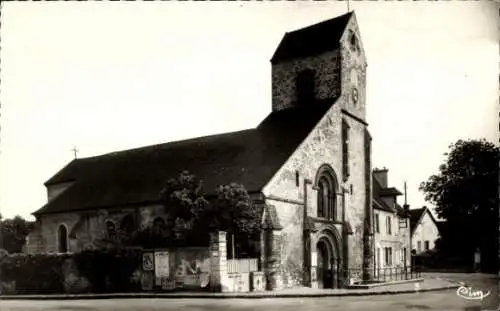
pixel 405 194
pixel 406 208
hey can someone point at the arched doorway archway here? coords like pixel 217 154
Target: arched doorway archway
pixel 323 266
pixel 328 258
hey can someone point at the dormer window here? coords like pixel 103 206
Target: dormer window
pixel 305 86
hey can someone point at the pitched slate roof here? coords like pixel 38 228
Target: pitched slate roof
pixel 312 40
pixel 136 176
pixel 389 192
pixel 378 203
pixel 415 215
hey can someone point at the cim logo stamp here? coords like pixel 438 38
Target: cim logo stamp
pixel 470 294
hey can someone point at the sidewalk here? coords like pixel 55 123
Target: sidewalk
pixel 431 284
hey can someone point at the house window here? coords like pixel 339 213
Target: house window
pixel 377 263
pixel 377 223
pixel 110 229
pixel 426 245
pixel 345 149
pixel 159 226
pixel 305 86
pixel 403 259
pixel 62 234
pixel 419 246
pixel 389 225
pixel 388 256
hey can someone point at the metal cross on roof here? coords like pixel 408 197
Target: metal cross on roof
pixel 75 152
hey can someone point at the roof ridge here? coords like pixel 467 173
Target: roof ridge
pixel 173 142
pixel 321 23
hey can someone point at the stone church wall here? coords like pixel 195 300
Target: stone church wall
pixel 291 250
pixel 327 68
pixel 323 146
pixel 49 227
pixel 90 227
pixel 334 77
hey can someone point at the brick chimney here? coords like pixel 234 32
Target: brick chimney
pixel 381 176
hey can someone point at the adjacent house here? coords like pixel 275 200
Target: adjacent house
pixel 391 225
pixel 424 230
pixel 307 165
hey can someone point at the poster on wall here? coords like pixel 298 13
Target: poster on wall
pixel 161 266
pixel 147 262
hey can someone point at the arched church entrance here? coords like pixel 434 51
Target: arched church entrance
pixel 328 261
pixel 323 265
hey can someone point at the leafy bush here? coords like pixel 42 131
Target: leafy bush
pixel 110 270
pixel 33 274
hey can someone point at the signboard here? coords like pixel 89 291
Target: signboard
pixel 147 281
pixel 161 265
pixel 147 262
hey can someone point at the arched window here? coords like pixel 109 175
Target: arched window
pixel 62 237
pixel 159 226
pixel 110 229
pixel 324 194
pixel 326 199
pixel 127 225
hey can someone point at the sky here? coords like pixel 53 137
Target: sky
pixel 108 76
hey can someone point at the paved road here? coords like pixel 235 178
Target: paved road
pixel 477 282
pixel 445 300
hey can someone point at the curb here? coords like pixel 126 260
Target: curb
pixel 220 295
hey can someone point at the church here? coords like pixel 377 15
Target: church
pixel 308 164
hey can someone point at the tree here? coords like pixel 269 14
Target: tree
pixel 184 201
pixel 14 233
pixel 191 216
pixel 465 193
pixel 233 212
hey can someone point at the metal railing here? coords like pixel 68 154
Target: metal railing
pixel 386 274
pixel 397 273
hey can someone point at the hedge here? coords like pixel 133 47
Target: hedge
pixel 32 274
pixel 109 270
